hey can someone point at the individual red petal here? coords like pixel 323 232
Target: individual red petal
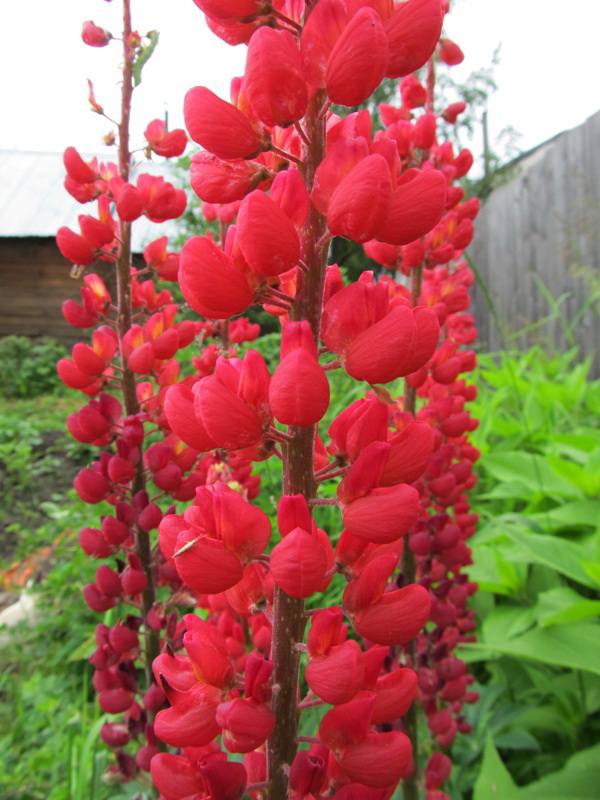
pixel 273 79
pixel 142 359
pixel 396 618
pixel 359 205
pixel 244 529
pixel 95 36
pixel 298 564
pixel 246 724
pixel 240 427
pixel 321 31
pixel 370 585
pixel 207 649
pixel 450 53
pixel 413 31
pixel 175 776
pixel 228 9
pixel 326 630
pixel 299 391
pixel 265 236
pixel 337 676
pixel 216 181
pixel 179 410
pixel 219 126
pixel 410 453
pixel 342 156
pixel 288 191
pixel 380 353
pixel 417 205
pixel 78 169
pixel 191 721
pixel 395 694
pixel 129 203
pixel 74 247
pixel 210 282
pixel 348 723
pixel 95 232
pixel 358 61
pixel 379 761
pixel 226 780
pixel 384 514
pixel 207 567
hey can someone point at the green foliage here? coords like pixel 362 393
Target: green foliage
pixel 537 562
pixel 28 366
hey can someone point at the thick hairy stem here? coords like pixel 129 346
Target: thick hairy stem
pixel 289 618
pixel 130 403
pixel 410 394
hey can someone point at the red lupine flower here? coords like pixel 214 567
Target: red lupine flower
pixel 219 126
pixel 450 53
pixel 95 36
pixel 246 724
pixel 359 59
pixel 273 79
pixel 299 563
pixel 226 780
pixel 347 724
pixel 74 247
pixel 165 143
pixel 396 618
pixel 191 720
pixel 416 206
pixel 228 9
pixel 360 203
pixel 265 236
pixel 320 33
pixel 413 31
pixel 395 694
pixel 210 281
pixel 207 567
pixel 337 675
pixel 379 761
pixel 216 181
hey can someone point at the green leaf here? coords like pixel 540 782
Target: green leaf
pixel 494 780
pixel 578 780
pixel 582 477
pixel 570 646
pixel 506 622
pixel 551 551
pixel 575 514
pixel 562 605
pixel 533 471
pixel 592 569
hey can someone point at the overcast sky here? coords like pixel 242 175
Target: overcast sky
pixel 547 76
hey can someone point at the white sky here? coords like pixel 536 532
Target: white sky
pixel 547 76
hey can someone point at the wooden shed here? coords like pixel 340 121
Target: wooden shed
pixel 34 277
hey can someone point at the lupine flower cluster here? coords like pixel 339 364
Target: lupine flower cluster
pixel 282 175
pixel 440 280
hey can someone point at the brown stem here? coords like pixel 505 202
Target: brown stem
pixel 289 616
pixel 142 539
pixel 410 394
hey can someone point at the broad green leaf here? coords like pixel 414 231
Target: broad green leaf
pixel 563 605
pixel 485 571
pixel 494 780
pixel 570 646
pixel 578 780
pixel 582 477
pixel 592 569
pixel 528 468
pixel 575 514
pixel 517 740
pixel 506 622
pixel 558 554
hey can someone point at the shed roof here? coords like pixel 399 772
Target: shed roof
pixel 34 202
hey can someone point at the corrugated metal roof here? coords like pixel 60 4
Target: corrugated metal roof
pixel 34 202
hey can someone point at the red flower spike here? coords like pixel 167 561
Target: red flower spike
pixel 265 236
pixel 298 564
pixel 219 126
pixel 190 722
pixel 417 205
pixel 175 776
pixel 273 78
pixel 225 780
pixel 347 724
pixel 337 676
pixel 396 618
pixel 395 694
pixel 359 205
pixel 413 31
pixel 379 761
pixel 359 59
pixel 207 567
pixel 210 281
pixel 246 724
pixel 74 247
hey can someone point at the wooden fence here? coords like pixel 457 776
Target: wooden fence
pixel 538 238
